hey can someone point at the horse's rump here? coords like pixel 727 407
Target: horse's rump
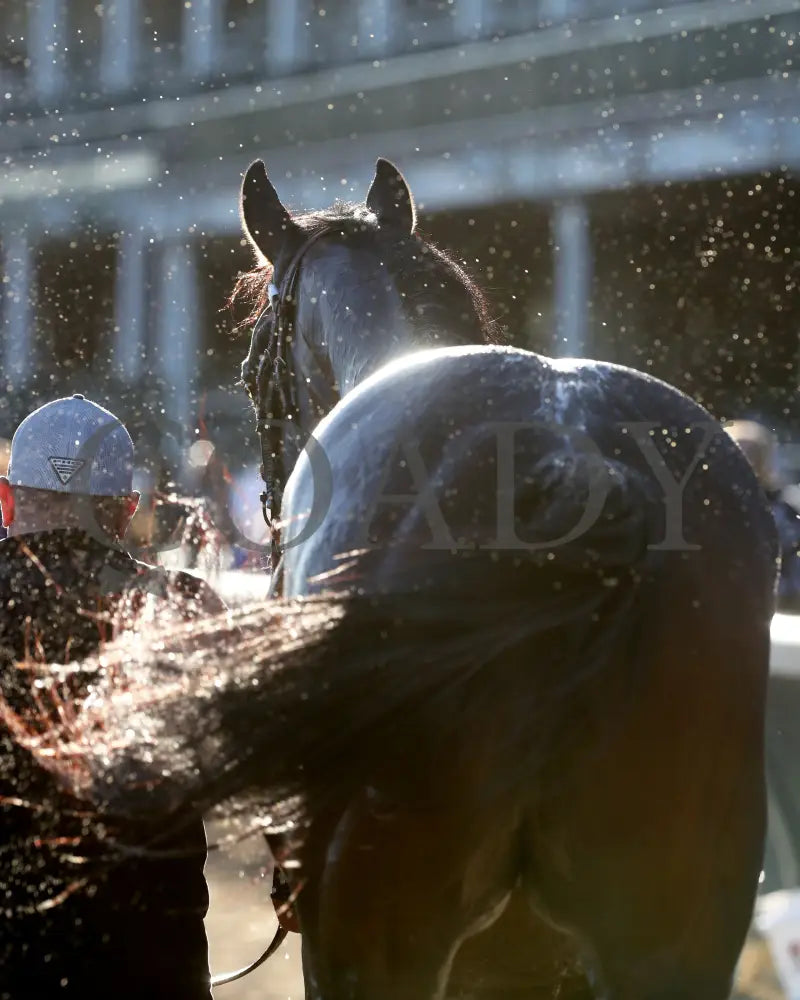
pixel 531 613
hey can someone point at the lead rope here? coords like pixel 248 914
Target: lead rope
pixel 287 902
pixel 230 977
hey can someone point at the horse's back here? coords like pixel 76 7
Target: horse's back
pixel 427 453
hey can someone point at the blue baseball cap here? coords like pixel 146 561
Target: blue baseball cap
pixel 72 445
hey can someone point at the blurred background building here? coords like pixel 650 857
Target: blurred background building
pixel 620 176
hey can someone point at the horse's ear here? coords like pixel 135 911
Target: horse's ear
pixel 389 197
pixel 266 222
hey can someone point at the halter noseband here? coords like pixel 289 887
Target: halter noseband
pixel 275 394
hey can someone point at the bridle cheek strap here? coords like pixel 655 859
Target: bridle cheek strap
pixel 277 402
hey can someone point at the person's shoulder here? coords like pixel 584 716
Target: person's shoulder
pixel 14 546
pixel 36 555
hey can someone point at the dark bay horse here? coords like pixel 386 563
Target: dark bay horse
pixel 519 729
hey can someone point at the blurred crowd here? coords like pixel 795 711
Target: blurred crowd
pixel 761 448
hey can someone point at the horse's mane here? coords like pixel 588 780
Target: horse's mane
pixel 433 284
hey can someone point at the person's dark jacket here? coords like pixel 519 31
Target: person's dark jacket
pixel 137 929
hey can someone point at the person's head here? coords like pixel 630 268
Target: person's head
pixel 759 446
pixel 71 466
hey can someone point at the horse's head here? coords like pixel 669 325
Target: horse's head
pixel 341 292
pixel 365 285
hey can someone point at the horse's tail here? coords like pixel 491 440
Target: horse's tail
pixel 292 702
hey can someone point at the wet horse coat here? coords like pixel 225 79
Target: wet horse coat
pixel 602 765
pixel 628 803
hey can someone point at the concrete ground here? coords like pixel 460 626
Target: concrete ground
pixel 241 923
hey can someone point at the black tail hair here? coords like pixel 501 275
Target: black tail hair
pixel 283 706
pixel 287 707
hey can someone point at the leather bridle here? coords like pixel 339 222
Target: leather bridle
pixel 273 388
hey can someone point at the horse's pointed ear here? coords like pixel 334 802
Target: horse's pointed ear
pixel 265 220
pixel 389 197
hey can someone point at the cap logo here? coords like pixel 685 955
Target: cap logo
pixel 65 468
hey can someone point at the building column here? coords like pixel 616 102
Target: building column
pixel 18 341
pixel 201 36
pixel 46 32
pixel 374 24
pixel 130 314
pixel 285 35
pixel 572 277
pixel 175 353
pixel 469 19
pixel 555 11
pixel 121 44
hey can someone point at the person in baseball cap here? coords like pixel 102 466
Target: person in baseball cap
pixel 67 584
pixel 62 454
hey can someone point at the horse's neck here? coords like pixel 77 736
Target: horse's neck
pixel 347 338
pixel 364 352
pixel 352 357
pixel 340 347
